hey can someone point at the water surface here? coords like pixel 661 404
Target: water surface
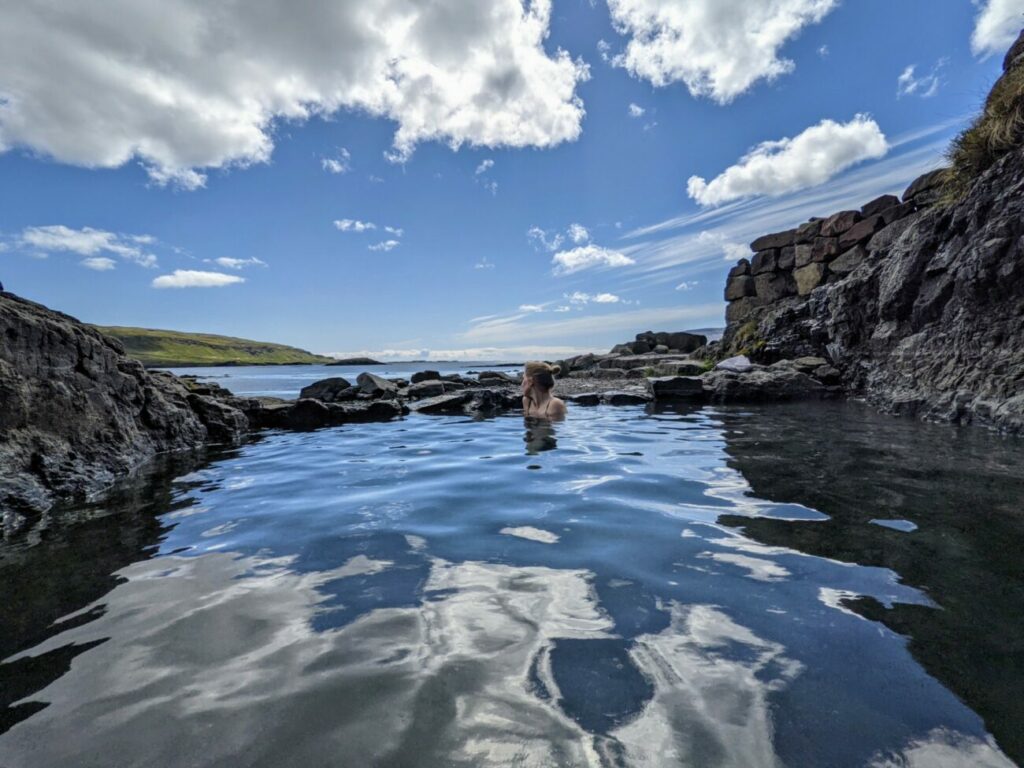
pixel 705 588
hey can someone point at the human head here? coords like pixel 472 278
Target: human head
pixel 540 375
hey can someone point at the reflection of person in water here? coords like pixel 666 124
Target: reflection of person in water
pixel 540 436
pixel 538 381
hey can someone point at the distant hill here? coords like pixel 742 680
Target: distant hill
pixel 173 349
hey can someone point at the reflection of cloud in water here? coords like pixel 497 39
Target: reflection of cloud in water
pixel 712 679
pixel 200 651
pixel 944 749
pixel 531 533
pixel 757 569
pixel 214 660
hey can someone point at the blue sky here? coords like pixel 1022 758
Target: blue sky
pixel 162 166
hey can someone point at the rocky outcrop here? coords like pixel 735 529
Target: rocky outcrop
pixel 916 304
pixel 76 413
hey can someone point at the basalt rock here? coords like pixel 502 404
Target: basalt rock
pixel 76 413
pixel 330 390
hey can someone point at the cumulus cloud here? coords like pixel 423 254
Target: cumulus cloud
pixel 635 110
pixel 384 245
pixel 231 263
pixel 777 167
pixel 925 86
pixel 997 25
pixel 354 225
pixel 484 166
pixel 98 263
pixel 195 86
pixel 88 242
pixel 342 163
pixel 191 278
pixel 717 48
pixel 588 257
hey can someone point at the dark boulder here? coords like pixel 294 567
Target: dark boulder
pixel 761 385
pixel 879 204
pixel 775 240
pixel 927 188
pixel 584 398
pixel 428 388
pixel 424 376
pixel 860 232
pixel 329 390
pixel 451 403
pixel 676 387
pixel 375 386
pixel 625 398
pixel 742 268
pixel 764 261
pixel 838 223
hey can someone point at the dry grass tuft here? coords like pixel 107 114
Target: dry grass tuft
pixel 998 130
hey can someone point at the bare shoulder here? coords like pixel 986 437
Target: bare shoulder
pixel 557 407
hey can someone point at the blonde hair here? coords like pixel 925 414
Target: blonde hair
pixel 536 367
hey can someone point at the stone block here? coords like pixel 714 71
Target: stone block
pixel 786 259
pixel 825 249
pixel 803 254
pixel 764 261
pixel 806 233
pixel 738 287
pixel 808 278
pixel 924 189
pixel 879 204
pixel 860 232
pixel 741 309
pixel 838 223
pixel 848 261
pixel 772 286
pixel 676 387
pixel 742 268
pixel 775 240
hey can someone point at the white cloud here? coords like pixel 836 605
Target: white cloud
pixel 926 86
pixel 99 263
pixel 718 48
pixel 578 233
pixel 635 110
pixel 777 167
pixel 384 245
pixel 88 242
pixel 531 307
pixel 340 164
pixel 191 278
pixel 504 353
pixel 484 264
pixel 823 51
pixel 231 263
pixel 587 257
pixel 603 47
pixel 354 225
pixel 196 85
pixel 484 166
pixel 542 240
pixel 396 231
pixel 997 25
pixel 491 186
pixel 687 285
pixel 579 297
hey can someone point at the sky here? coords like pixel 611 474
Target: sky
pixel 454 178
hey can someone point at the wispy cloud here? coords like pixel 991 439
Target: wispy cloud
pixel 340 163
pixel 484 167
pixel 499 354
pixel 693 244
pixel 384 245
pixel 635 110
pixel 996 26
pixel 88 242
pixel 925 86
pixel 589 330
pixel 231 263
pixel 191 278
pixel 98 263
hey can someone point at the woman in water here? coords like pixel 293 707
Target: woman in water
pixel 538 381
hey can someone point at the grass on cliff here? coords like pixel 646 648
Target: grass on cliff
pixel 168 349
pixel 997 130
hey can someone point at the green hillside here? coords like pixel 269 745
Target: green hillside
pixel 167 349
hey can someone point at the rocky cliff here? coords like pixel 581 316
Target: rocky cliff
pixel 76 413
pixel 917 301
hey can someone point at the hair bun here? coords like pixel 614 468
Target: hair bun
pixel 555 369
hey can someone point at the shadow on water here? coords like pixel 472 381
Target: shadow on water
pixel 68 559
pixel 965 499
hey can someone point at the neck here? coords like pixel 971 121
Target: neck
pixel 541 397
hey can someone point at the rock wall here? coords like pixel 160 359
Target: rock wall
pixel 917 301
pixel 76 413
